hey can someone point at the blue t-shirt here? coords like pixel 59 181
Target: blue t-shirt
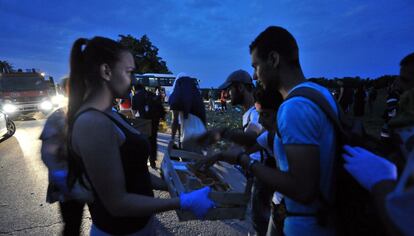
pixel 300 121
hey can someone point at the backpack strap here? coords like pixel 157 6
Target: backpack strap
pixel 79 160
pixel 320 100
pixel 270 139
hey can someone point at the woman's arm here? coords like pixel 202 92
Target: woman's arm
pixel 158 183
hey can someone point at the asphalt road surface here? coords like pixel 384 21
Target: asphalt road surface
pixel 23 183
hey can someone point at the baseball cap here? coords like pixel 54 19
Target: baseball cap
pixel 238 76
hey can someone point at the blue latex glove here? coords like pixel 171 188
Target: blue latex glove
pixel 59 178
pixel 197 202
pixel 367 168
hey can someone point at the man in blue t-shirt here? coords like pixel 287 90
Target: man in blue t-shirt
pixel 305 146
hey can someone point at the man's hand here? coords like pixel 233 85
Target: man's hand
pixel 229 156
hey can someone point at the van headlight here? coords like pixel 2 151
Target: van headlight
pixel 46 105
pixel 58 100
pixel 9 108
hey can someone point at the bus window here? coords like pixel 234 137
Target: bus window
pixel 153 82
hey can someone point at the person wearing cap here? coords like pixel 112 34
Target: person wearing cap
pixel 305 144
pixel 241 89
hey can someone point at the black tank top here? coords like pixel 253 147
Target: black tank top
pixel 134 155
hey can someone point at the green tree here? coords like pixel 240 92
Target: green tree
pixel 145 55
pixel 5 66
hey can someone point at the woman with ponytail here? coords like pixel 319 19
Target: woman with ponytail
pixel 108 151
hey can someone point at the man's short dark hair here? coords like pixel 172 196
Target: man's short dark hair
pixel 268 99
pixel 278 39
pixel 408 60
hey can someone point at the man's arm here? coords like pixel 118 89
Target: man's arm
pixel 299 125
pixel 300 182
pixel 246 139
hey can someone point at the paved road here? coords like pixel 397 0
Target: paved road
pixel 23 182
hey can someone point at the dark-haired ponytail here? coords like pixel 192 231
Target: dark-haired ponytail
pixel 76 94
pixel 85 77
pixel 77 82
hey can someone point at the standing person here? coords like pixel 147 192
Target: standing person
pixel 223 100
pixel 147 105
pixel 393 195
pixel 156 113
pixel 393 98
pixel 189 111
pixel 372 97
pixel 305 146
pixel 359 101
pixel 54 156
pixel 346 95
pixel 241 89
pixel 139 107
pixel 108 151
pixel 211 99
pixel 267 104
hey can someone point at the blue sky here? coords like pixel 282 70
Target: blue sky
pixel 209 39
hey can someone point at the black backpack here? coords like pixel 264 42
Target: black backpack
pixel 156 109
pixel 352 206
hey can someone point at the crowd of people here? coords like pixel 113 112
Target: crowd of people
pixel 294 143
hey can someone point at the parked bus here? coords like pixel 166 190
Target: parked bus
pixel 163 81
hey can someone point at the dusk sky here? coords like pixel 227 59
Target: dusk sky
pixel 210 39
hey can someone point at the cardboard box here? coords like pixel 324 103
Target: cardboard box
pixel 230 188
